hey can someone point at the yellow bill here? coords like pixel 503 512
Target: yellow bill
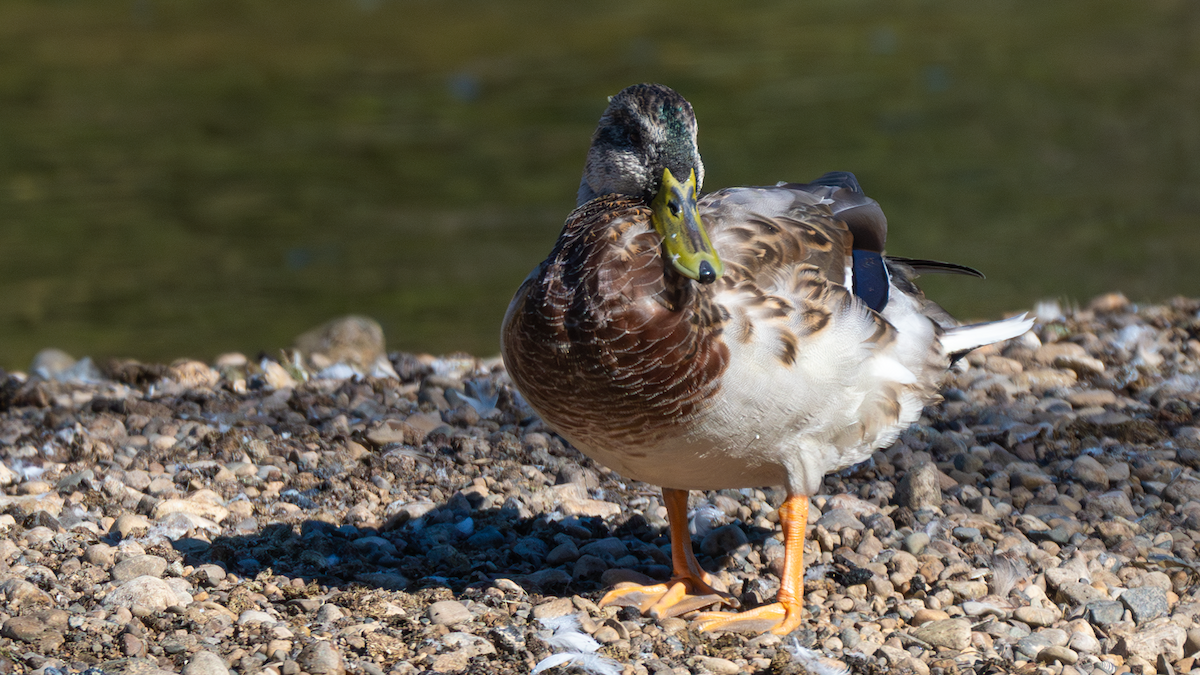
pixel 676 217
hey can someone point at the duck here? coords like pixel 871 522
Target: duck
pixel 749 337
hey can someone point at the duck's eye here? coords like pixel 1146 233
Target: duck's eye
pixel 634 136
pixel 673 206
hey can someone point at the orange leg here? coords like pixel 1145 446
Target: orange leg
pixel 689 589
pixel 783 616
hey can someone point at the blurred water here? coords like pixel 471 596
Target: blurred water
pixel 186 178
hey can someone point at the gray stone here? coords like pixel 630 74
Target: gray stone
pixel 532 549
pixel 143 596
pixel 1031 645
pixel 1035 616
pixel 1060 654
pixel 15 593
pixel 916 542
pixel 726 539
pixel 1090 472
pixel 510 639
pixel 472 645
pixel 139 566
pixel 328 613
pixel 1078 593
pixel 1113 503
pixel 320 658
pixel 836 520
pixel 448 613
pixel 100 555
pixel 1104 612
pixel 43 630
pixel 205 663
pixel 920 488
pixel 1166 639
pixel 948 633
pixel 563 553
pixel 1145 603
pixel 209 575
pixel 967 590
pixel 968 534
pixel 250 616
pixel 589 567
pixel 609 548
pixel 488 537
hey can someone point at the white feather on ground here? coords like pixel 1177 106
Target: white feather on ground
pixel 580 648
pixel 814 662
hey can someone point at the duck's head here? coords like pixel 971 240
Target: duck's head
pixel 645 146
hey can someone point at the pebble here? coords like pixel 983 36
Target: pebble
pixel 948 633
pixel 916 542
pixel 321 658
pixel 1104 612
pixel 211 499
pixel 448 613
pixel 205 662
pixel 139 566
pixel 1145 603
pixel 143 596
pixel 1035 616
pixel 1058 654
pixel 920 488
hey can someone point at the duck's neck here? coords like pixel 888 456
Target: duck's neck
pixel 586 193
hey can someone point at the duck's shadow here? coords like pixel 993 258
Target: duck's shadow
pixel 456 548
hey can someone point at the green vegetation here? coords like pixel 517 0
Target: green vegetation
pixel 187 177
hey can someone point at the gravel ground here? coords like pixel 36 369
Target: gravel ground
pixel 259 517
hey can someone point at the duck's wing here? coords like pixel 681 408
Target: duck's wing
pixel 828 226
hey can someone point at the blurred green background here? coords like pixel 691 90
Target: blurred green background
pixel 187 177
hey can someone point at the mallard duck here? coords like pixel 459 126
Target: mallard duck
pixel 752 337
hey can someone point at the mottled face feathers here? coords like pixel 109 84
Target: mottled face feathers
pixel 645 129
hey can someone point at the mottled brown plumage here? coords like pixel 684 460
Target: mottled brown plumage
pixel 774 373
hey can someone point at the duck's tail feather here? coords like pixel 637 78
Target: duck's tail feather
pixel 959 340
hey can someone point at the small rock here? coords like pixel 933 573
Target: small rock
pixel 967 590
pixel 143 596
pixel 916 542
pixel 17 592
pixel 1035 616
pixel 471 645
pixel 1090 472
pixel 725 539
pixel 356 341
pixel 718 666
pixel 1082 642
pixel 192 505
pixel 967 534
pixel 948 633
pixel 588 567
pixel 320 658
pixel 205 662
pixel 132 645
pixel 448 613
pixel 329 612
pixel 609 548
pixel 138 566
pixel 1104 612
pixel 926 615
pixel 129 524
pixel 1145 603
pixel 1060 654
pixel 250 616
pixel 563 553
pixel 920 488
pixel 100 555
pixel 1114 503
pixel 1167 639
pixel 554 608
